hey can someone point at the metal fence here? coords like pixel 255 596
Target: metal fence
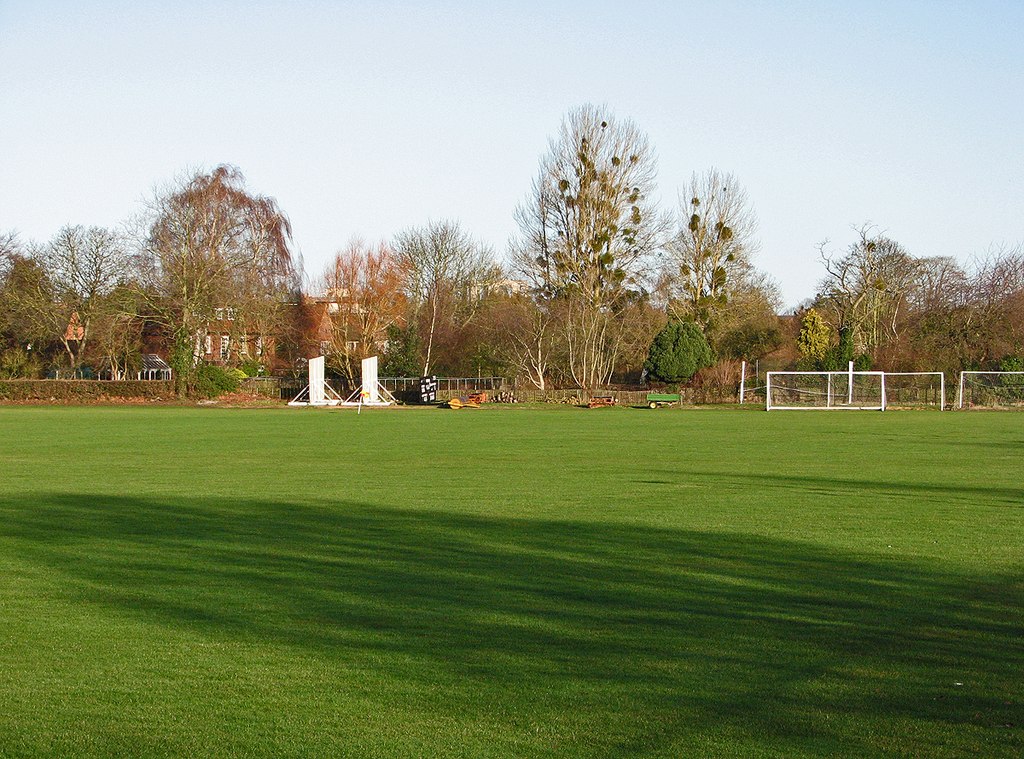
pixel 444 384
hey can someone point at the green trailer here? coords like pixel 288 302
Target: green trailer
pixel 662 399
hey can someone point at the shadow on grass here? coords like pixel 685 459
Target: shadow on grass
pixel 650 634
pixel 838 486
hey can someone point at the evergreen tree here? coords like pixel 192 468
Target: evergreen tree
pixel 678 352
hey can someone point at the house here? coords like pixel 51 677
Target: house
pixel 344 326
pixel 225 342
pixel 505 286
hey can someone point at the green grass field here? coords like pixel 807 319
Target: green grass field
pixel 510 582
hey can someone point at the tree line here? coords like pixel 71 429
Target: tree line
pixel 598 285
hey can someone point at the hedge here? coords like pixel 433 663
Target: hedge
pixel 64 391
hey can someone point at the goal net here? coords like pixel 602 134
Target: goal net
pixel 825 390
pixel 915 390
pixel 990 390
pixel 855 390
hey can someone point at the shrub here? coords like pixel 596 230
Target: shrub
pixel 253 368
pixel 15 363
pixel 678 352
pixel 211 381
pixel 1011 364
pixel 82 391
pixel 862 362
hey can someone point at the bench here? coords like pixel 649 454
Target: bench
pixel 601 400
pixel 661 399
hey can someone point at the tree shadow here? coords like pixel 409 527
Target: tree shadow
pixel 650 635
pixel 851 486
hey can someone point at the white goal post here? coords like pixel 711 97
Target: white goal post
pixel 990 389
pixel 850 390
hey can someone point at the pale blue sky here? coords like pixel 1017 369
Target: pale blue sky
pixel 364 118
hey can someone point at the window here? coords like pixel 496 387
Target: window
pixel 225 347
pixel 209 345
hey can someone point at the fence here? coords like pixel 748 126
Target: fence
pixel 444 384
pixel 580 397
pixel 689 396
pixel 287 388
pixel 269 387
pixel 406 389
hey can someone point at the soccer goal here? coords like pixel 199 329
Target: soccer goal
pixel 875 391
pixel 990 390
pixel 915 390
pixel 825 390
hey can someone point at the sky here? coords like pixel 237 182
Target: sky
pixel 366 118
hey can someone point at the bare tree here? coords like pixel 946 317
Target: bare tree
pixel 117 332
pixel 23 275
pixel 363 288
pixel 590 226
pixel 18 326
pixel 522 330
pixel 588 232
pixel 995 313
pixel 10 251
pixel 590 337
pixel 865 287
pixel 446 272
pixel 935 319
pixel 79 267
pixel 710 256
pixel 211 244
pixel 10 247
pixel 940 283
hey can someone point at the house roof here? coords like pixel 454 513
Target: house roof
pixel 152 362
pixel 75 330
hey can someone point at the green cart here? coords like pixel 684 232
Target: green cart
pixel 662 399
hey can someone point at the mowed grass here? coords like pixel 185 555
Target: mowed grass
pixel 510 582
